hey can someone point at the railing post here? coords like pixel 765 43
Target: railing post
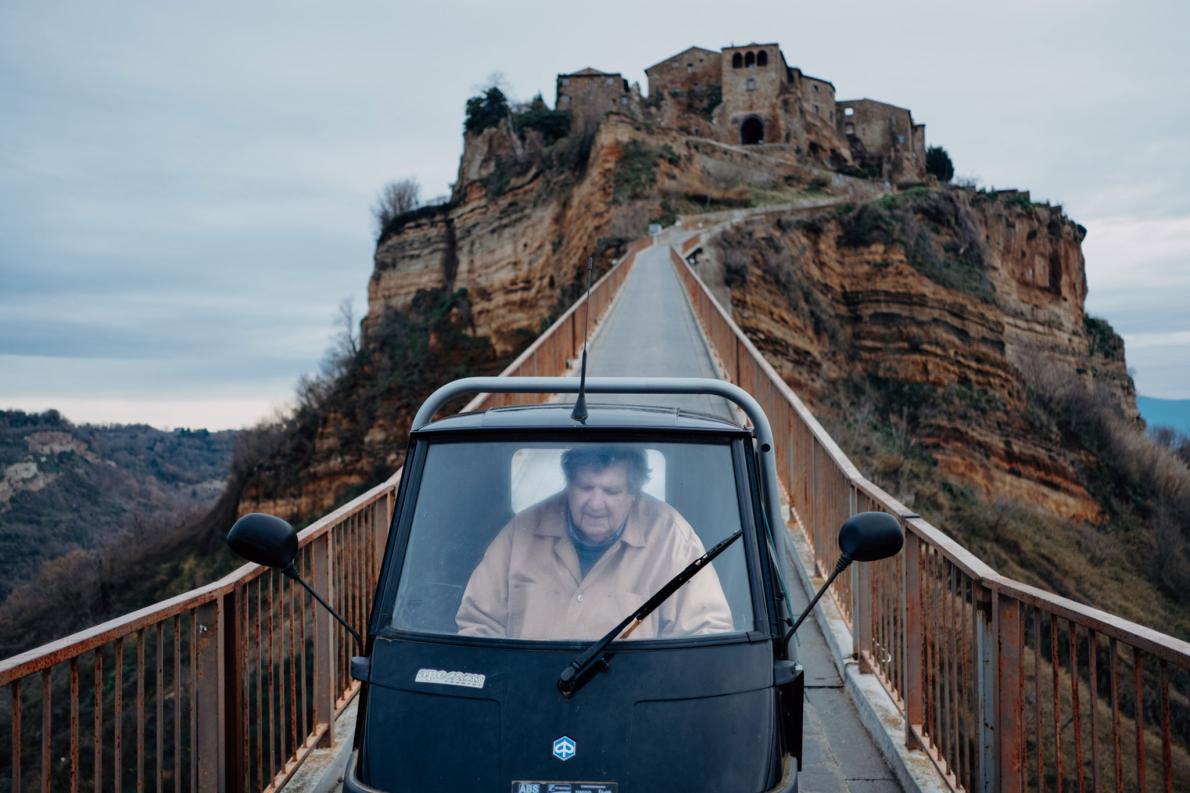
pixel 210 743
pixel 1010 688
pixel 915 711
pixel 861 600
pixel 233 688
pixel 987 653
pixel 324 640
pixel 381 519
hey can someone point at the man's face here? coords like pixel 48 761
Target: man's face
pixel 599 500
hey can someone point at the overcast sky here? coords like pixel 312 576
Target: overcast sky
pixel 185 189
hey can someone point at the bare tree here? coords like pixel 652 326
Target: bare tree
pixel 397 198
pixel 347 340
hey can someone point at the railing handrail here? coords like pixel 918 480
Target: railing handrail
pixel 1152 640
pixel 76 644
pixel 84 641
pixel 1149 639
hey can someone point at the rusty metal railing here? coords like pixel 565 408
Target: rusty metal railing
pixel 225 687
pixel 1004 686
pixel 228 686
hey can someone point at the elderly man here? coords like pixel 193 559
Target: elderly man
pixel 575 564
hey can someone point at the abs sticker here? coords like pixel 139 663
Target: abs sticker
pixel 565 787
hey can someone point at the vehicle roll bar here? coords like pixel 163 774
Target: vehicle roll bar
pixel 704 386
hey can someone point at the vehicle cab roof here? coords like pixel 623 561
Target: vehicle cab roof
pixel 556 416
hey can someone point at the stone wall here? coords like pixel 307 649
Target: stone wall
pixel 686 89
pixel 753 78
pixel 884 136
pixel 589 95
pixel 818 97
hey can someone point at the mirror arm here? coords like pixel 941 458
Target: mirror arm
pixel 291 572
pixel 840 566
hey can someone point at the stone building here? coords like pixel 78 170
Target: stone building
pixel 884 139
pixel 749 95
pixel 691 87
pixel 590 94
pixel 753 79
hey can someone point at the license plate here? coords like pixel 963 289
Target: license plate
pixel 565 787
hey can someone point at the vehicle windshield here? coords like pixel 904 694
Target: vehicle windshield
pixel 560 541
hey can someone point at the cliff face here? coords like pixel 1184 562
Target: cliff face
pixel 525 217
pixel 948 302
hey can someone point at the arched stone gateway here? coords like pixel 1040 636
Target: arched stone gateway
pixel 752 131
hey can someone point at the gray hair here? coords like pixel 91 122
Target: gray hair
pixel 601 457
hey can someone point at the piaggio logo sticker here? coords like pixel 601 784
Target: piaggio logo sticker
pixel 564 748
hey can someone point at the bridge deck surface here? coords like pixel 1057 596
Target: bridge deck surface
pixel 651 330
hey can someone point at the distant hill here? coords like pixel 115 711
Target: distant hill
pixel 66 487
pixel 1173 413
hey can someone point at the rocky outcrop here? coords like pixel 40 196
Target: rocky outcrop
pixel 520 227
pixel 948 303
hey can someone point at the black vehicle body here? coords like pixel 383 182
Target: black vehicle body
pixel 460 693
pixel 705 713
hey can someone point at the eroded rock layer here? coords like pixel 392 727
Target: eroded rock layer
pixel 948 296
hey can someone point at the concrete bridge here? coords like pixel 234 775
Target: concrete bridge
pixel 927 671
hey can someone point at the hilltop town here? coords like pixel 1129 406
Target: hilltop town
pixel 749 95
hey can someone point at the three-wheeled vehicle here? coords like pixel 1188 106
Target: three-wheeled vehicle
pixel 582 600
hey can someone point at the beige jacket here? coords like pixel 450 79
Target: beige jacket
pixel 529 586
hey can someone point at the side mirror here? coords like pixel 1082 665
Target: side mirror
pixel 272 542
pixel 869 536
pixel 865 537
pixel 264 539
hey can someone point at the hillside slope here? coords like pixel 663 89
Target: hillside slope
pixel 96 521
pixel 941 336
pixel 64 487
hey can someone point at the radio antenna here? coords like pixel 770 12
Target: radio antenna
pixel 580 406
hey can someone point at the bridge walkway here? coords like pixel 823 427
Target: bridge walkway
pixel 651 330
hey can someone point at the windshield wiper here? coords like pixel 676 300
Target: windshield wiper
pixel 593 660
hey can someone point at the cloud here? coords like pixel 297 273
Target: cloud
pixel 185 190
pixel 1138 276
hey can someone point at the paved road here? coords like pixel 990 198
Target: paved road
pixel 651 330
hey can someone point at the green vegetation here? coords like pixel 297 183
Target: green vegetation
pixel 938 164
pixel 704 99
pixel 393 224
pixel 818 184
pixel 486 110
pixel 933 228
pixel 636 172
pixel 1142 485
pixel 1104 339
pixel 506 169
pixel 565 158
pixel 1019 200
pixel 553 125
